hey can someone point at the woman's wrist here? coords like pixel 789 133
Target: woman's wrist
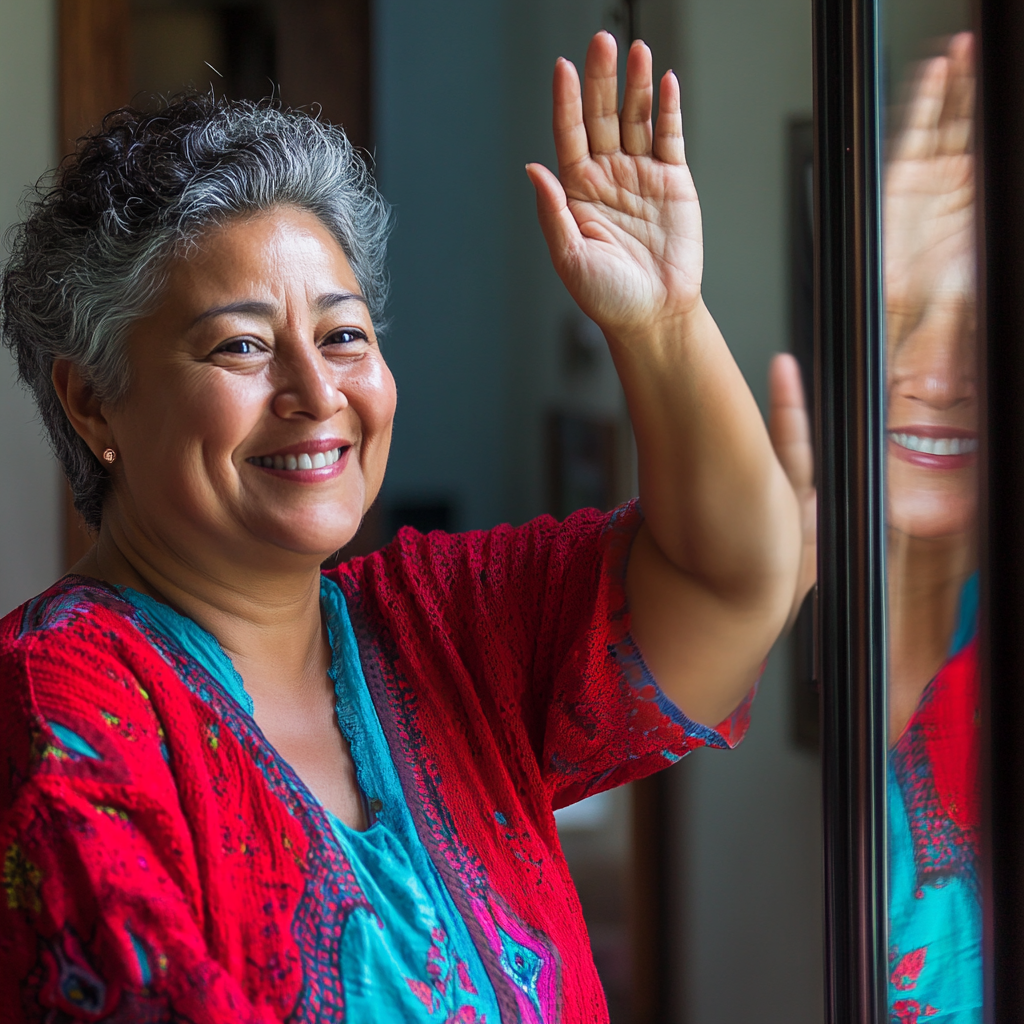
pixel 669 333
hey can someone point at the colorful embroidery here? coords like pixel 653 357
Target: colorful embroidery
pixel 190 874
pixel 21 880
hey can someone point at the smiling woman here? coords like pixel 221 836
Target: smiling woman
pixel 243 789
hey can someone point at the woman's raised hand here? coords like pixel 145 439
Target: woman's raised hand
pixel 928 201
pixel 622 219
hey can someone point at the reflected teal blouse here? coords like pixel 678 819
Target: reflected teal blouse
pixel 935 923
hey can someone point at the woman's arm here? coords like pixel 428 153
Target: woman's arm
pixel 712 573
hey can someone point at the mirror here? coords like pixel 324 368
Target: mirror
pixel 932 429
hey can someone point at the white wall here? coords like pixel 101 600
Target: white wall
pixel 30 553
pixel 752 936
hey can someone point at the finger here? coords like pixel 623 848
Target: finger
pixel 637 101
pixel 958 114
pixel 560 229
pixel 668 133
pixel 600 95
pixel 570 134
pixel 919 137
pixel 788 423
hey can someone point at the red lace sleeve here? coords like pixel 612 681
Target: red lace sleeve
pixel 104 916
pixel 529 626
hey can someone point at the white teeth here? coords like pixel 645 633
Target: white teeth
pixel 936 446
pixel 304 460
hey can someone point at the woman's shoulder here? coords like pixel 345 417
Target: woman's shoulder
pixel 75 675
pixel 428 560
pixel 78 629
pixel 72 604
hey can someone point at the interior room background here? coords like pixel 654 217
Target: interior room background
pixel 507 404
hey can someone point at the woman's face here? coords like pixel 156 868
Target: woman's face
pixel 258 417
pixel 933 426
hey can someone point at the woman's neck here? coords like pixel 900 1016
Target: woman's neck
pixel 925 577
pixel 269 623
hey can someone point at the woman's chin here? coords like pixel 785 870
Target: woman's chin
pixel 935 523
pixel 314 541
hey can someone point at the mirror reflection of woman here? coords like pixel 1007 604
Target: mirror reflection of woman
pixel 932 481
pixel 235 788
pixel 934 815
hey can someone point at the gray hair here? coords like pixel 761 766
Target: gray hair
pixel 90 259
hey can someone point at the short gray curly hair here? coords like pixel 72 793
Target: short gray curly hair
pixel 90 258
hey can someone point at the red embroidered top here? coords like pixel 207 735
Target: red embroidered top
pixel 159 863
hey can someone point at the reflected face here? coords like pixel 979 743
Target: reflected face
pixel 933 426
pixel 258 418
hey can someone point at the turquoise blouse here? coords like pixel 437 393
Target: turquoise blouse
pixel 414 932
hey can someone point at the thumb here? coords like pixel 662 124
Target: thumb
pixel 560 229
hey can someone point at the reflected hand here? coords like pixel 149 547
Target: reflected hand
pixel 790 431
pixel 928 202
pixel 622 219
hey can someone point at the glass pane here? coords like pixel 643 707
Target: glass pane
pixel 932 420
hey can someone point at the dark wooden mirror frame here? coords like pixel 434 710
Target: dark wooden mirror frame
pixel 849 375
pixel 851 560
pixel 1001 323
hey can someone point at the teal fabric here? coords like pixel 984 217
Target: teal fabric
pixel 967 615
pixel 411 958
pixel 935 931
pixel 945 921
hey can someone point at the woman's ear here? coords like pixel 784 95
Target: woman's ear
pixel 81 406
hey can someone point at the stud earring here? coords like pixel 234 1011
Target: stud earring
pixel 109 455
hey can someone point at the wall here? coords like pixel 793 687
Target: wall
pixel 30 497
pixel 462 103
pixel 439 150
pixel 751 840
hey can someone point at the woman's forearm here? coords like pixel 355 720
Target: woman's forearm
pixel 715 498
pixel 711 577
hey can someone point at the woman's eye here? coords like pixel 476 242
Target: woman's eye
pixel 345 336
pixel 238 346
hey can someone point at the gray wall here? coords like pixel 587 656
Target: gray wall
pixel 29 495
pixel 752 903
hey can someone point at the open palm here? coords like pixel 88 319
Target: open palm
pixel 929 193
pixel 622 218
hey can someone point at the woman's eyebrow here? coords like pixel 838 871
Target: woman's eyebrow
pixel 265 310
pixel 332 299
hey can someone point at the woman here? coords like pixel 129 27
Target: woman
pixel 932 410
pixel 934 813
pixel 240 789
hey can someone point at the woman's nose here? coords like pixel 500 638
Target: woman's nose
pixel 307 388
pixel 935 363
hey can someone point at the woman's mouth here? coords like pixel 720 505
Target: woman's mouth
pixel 308 462
pixel 300 460
pixel 934 447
